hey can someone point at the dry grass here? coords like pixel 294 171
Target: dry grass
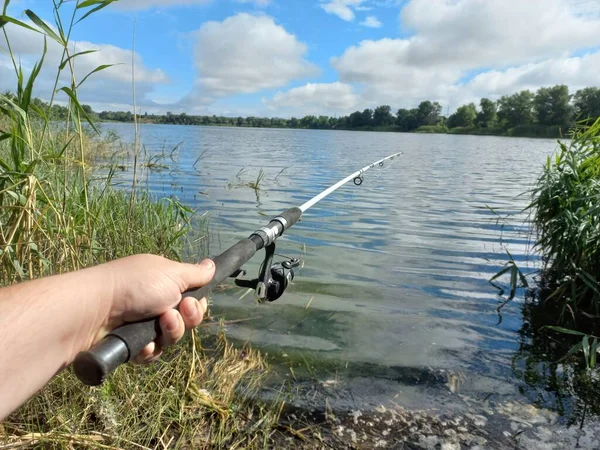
pixel 198 397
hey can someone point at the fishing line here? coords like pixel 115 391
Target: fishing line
pixel 124 343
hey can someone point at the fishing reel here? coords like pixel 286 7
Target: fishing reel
pixel 273 278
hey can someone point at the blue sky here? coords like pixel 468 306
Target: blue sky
pixel 295 57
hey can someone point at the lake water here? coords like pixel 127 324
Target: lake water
pixel 393 297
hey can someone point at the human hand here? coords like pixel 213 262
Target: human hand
pixel 146 286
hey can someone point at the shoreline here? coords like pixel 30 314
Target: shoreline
pixel 386 129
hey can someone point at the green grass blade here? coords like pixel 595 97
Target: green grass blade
pixel 75 101
pixel 4 19
pixel 44 26
pixel 572 351
pixel 97 69
pixel 66 61
pixel 101 5
pixel 88 3
pixel 502 272
pixel 34 74
pixel 563 330
pixel 585 344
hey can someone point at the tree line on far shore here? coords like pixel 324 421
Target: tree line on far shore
pixel 550 111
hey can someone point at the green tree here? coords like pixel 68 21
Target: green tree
pixel 367 117
pixel 552 105
pixel 355 120
pixel 429 113
pixel 587 103
pixel 407 120
pixel 463 117
pixel 383 115
pixel 488 115
pixel 516 109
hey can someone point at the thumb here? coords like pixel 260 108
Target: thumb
pixel 197 275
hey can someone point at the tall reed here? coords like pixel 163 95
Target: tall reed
pixel 566 218
pixel 58 215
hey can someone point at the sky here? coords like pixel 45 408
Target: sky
pixel 295 57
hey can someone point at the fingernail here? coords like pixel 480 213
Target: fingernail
pixel 207 264
pixel 171 325
pixel 190 311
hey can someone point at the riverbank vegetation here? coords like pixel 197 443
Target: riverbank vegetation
pixel 550 112
pixel 566 217
pixel 560 342
pixel 60 211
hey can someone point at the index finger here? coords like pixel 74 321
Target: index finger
pixel 197 275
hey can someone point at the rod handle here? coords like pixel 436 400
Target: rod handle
pixel 124 343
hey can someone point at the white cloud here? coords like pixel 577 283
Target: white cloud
pixel 577 72
pixel 322 98
pixel 246 54
pixel 147 4
pixel 371 22
pixel 528 44
pixel 259 3
pixel 585 7
pixel 342 8
pixel 109 85
pixel 476 33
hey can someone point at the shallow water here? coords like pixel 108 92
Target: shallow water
pixel 396 271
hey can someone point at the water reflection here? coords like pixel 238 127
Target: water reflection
pixel 553 378
pixel 397 268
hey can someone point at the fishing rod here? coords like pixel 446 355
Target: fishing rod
pixel 124 343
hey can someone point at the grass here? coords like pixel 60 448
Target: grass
pixel 491 131
pixel 254 184
pixel 198 396
pixel 560 344
pixel 59 215
pixel 538 131
pixel 566 218
pixel 440 129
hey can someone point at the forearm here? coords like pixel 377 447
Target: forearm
pixel 43 325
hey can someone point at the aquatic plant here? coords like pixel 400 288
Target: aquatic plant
pixel 566 219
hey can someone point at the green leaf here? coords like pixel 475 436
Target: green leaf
pixel 31 166
pixel 589 280
pixel 73 98
pixel 34 74
pixel 18 268
pixel 564 330
pixel 572 351
pixel 502 272
pixel 585 343
pixel 523 280
pixel 44 26
pixel 101 4
pixel 513 281
pixel 15 107
pixel 18 197
pixel 3 163
pixel 97 69
pixel 66 61
pixel 62 151
pixel 4 19
pixel 88 3
pixel 593 353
